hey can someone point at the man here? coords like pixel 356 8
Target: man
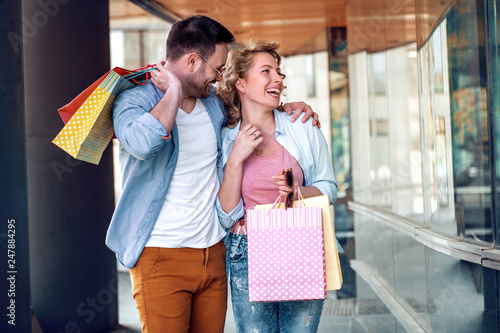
pixel 165 228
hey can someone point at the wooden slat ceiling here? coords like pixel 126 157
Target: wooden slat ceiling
pixel 292 23
pixel 300 25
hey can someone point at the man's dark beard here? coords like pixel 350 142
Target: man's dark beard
pixel 192 88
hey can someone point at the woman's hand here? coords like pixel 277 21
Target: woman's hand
pixel 284 189
pixel 230 190
pixel 248 138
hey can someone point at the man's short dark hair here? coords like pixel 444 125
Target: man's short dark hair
pixel 198 34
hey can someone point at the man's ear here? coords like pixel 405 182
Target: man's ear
pixel 240 84
pixel 192 61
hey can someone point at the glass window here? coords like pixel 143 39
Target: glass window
pixel 425 141
pixel 457 167
pixel 468 119
pixel 379 130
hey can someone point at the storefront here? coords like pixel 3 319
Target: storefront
pixel 422 162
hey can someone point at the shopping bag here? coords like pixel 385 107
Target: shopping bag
pixel 285 254
pixel 332 262
pixel 138 76
pixel 89 129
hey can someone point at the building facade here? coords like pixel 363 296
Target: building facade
pixel 420 167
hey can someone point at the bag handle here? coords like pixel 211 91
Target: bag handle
pixel 140 71
pixel 276 201
pixel 301 202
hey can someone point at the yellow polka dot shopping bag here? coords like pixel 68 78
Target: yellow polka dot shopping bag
pixel 88 122
pixel 292 253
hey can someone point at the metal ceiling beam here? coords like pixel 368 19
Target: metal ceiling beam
pixel 157 10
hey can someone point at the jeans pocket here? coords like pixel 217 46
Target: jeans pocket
pixel 238 249
pixel 238 263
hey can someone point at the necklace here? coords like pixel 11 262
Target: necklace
pixel 269 139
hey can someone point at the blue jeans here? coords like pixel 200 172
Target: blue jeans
pixel 265 317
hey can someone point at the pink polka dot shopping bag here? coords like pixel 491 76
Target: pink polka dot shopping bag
pixel 287 250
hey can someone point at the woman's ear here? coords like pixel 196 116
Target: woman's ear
pixel 240 85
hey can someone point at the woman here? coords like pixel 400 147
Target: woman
pixel 258 145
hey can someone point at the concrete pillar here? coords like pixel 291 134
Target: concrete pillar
pixel 73 274
pixel 15 311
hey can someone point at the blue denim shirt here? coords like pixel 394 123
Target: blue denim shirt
pixel 306 144
pixel 147 163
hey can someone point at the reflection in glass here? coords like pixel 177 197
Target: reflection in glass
pixel 441 162
pixel 379 140
pixel 439 208
pixel 341 156
pixel 455 147
pixel 470 139
pixel 421 150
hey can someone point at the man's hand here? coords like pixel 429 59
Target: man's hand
pixel 300 107
pixel 163 79
pixel 166 108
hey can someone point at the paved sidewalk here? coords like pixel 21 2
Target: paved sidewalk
pixel 338 315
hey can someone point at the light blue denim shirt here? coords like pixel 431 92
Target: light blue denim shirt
pixel 147 163
pixel 306 144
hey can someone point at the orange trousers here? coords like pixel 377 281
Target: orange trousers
pixel 181 290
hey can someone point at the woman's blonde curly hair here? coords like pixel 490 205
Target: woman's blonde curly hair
pixel 239 62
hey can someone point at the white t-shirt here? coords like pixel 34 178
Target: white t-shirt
pixel 188 217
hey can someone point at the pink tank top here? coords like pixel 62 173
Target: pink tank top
pixel 257 186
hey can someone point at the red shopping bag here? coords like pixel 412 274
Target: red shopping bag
pixel 67 111
pixel 89 125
